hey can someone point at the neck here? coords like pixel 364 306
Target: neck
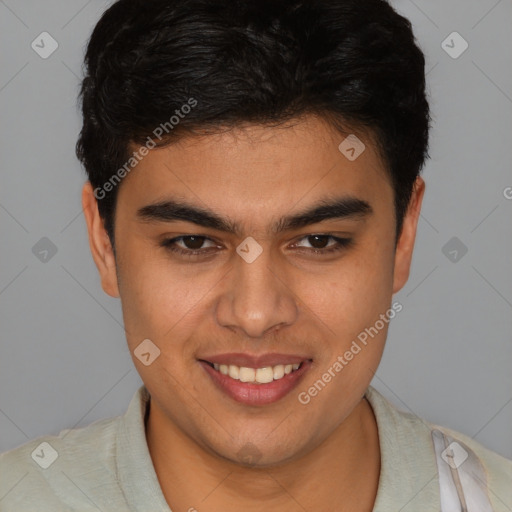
pixel 341 474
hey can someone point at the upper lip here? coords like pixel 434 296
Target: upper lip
pixel 253 361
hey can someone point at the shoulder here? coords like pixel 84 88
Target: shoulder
pixel 49 471
pixel 458 461
pixel 497 470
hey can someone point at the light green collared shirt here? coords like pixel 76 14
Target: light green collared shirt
pixel 106 466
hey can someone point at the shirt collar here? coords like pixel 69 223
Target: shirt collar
pixel 135 469
pixel 408 476
pixel 408 473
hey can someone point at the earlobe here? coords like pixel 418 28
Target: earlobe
pixel 99 242
pixel 405 246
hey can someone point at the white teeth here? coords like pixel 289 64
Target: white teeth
pixel 278 372
pixel 256 375
pixel 264 375
pixel 234 371
pixel 247 374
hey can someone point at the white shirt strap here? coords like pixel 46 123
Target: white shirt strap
pixel 462 478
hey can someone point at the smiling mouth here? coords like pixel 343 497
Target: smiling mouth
pixel 263 375
pixel 256 386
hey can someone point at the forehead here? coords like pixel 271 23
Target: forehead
pixel 258 169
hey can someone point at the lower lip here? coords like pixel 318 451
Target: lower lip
pixel 256 394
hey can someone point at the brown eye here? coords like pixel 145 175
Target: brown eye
pixel 188 245
pixel 319 243
pixel 193 242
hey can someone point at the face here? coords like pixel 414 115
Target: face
pixel 266 280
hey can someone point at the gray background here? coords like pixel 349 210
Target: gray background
pixel 64 361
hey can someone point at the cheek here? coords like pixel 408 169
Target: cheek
pixel 356 306
pixel 355 293
pixel 158 297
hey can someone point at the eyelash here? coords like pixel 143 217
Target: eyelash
pixel 341 244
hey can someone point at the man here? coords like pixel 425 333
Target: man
pixel 253 200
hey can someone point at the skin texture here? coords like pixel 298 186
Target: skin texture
pixel 320 456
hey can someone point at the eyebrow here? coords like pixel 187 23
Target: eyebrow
pixel 173 210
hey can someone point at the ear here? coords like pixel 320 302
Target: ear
pixel 99 242
pixel 405 246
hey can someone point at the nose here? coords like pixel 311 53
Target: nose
pixel 258 297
